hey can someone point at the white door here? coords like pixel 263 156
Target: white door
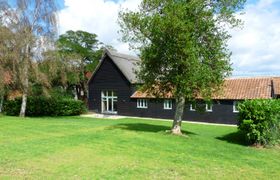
pixel 109 101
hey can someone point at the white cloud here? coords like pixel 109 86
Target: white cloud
pixel 256 47
pixel 96 16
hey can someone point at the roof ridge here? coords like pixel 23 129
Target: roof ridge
pixel 122 55
pixel 132 59
pixel 260 77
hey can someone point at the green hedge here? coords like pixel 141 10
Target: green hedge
pixel 43 106
pixel 260 121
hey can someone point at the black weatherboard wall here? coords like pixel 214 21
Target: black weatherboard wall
pixel 222 112
pixel 109 77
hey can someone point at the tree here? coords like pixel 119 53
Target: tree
pixel 81 52
pixel 6 61
pixel 182 45
pixel 62 70
pixel 2 86
pixel 34 23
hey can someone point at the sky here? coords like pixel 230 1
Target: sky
pixel 255 46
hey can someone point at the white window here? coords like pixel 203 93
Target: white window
pixel 167 104
pixel 208 107
pixel 109 102
pixel 235 107
pixel 192 106
pixel 142 103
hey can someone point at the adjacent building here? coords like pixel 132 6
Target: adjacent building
pixel 113 90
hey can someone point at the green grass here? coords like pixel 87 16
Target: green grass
pixel 85 148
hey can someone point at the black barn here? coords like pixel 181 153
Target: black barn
pixel 113 90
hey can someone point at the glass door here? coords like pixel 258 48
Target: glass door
pixel 109 102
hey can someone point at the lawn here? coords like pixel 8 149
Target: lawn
pixel 87 148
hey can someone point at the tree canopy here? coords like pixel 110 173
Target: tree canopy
pixel 81 43
pixel 33 25
pixel 80 52
pixel 183 46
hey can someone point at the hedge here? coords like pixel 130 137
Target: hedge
pixel 43 106
pixel 260 121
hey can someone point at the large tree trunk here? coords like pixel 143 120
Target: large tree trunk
pixel 23 105
pixel 180 104
pixel 1 102
pixel 25 82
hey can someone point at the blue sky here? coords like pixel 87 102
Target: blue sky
pixel 255 47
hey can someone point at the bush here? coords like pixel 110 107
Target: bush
pixel 43 106
pixel 260 121
pixel 60 93
pixel 68 107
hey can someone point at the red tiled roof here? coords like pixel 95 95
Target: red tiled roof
pixel 276 85
pixel 88 74
pixel 246 88
pixel 140 94
pixel 239 88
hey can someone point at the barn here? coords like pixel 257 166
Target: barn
pixel 113 89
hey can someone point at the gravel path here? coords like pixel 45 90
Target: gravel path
pixel 110 116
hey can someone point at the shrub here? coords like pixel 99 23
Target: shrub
pixel 12 107
pixel 43 106
pixel 60 93
pixel 260 121
pixel 68 107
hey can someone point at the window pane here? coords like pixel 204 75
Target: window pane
pixel 146 103
pixel 142 103
pixel 235 106
pixel 115 106
pixel 110 108
pixel 192 106
pixel 104 105
pixel 167 104
pixel 208 107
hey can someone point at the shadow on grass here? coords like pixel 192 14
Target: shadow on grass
pixel 235 138
pixel 142 127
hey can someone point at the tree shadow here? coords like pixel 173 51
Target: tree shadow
pixel 142 127
pixel 235 138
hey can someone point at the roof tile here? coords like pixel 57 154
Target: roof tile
pixel 235 89
pixel 276 85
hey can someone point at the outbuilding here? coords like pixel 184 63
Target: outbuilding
pixel 113 90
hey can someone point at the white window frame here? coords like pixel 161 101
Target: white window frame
pixel 167 104
pixel 207 109
pixel 191 107
pixel 142 103
pixel 234 107
pixel 105 96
